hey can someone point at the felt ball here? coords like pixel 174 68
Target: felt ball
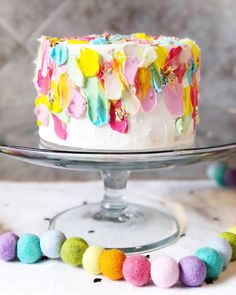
pixel 164 272
pixel 192 271
pixel 136 270
pixel 217 171
pixel 28 248
pixel 111 263
pixel 230 177
pixel 231 238
pixel 51 242
pixel 232 229
pixel 223 247
pixel 212 260
pixel 8 242
pixel 72 251
pixel 91 259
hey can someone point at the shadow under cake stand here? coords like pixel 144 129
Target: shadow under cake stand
pixel 134 228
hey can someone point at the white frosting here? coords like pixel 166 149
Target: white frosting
pixel 150 131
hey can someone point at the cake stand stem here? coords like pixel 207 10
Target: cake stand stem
pixel 116 223
pixel 114 205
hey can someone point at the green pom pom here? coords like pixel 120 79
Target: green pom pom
pixel 72 251
pixel 212 260
pixel 231 239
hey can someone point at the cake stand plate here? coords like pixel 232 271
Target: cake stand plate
pixel 117 223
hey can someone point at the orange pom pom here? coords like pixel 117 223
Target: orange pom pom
pixel 111 262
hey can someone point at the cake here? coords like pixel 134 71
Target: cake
pixel 117 92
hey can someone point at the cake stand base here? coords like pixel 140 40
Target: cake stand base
pixel 140 229
pixel 115 223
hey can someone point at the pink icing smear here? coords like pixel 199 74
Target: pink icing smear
pixel 77 107
pixel 173 99
pixel 59 128
pixel 120 126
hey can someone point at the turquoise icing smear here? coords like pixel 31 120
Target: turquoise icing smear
pixel 97 109
pixel 59 54
pixel 100 40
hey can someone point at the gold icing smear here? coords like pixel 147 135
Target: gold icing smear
pixel 120 114
pixel 169 76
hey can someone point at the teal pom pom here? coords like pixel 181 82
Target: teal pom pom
pixel 51 242
pixel 28 248
pixel 217 171
pixel 212 260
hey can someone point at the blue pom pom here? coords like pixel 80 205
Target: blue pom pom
pixel 51 242
pixel 212 260
pixel 223 248
pixel 28 248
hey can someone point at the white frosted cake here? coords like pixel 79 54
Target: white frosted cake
pixel 117 92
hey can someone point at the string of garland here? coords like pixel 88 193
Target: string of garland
pixel 191 271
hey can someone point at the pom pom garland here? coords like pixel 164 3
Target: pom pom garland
pixel 192 271
pixel 232 229
pixel 231 238
pixel 72 251
pixel 217 171
pixel 222 174
pixel 8 242
pixel 212 260
pixel 91 259
pixel 111 263
pixel 28 249
pixel 136 270
pixel 51 242
pixel 164 271
pixel 223 247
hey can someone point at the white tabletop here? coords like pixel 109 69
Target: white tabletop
pixel 207 209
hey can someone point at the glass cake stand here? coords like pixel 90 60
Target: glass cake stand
pixel 114 221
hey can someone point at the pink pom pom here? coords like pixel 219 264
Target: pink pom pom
pixel 136 270
pixel 164 272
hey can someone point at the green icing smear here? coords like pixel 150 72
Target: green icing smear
pixel 157 79
pixel 182 124
pixel 97 109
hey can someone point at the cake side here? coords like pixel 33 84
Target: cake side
pixel 117 92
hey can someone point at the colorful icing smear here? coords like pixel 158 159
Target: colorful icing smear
pixel 107 79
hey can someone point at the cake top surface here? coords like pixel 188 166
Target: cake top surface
pixel 106 38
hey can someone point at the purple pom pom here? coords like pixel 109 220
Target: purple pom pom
pixel 230 177
pixel 192 271
pixel 8 242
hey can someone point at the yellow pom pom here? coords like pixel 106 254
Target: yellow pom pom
pixel 91 259
pixel 232 229
pixel 89 62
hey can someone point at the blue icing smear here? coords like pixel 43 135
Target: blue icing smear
pixel 100 40
pixel 190 72
pixel 59 54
